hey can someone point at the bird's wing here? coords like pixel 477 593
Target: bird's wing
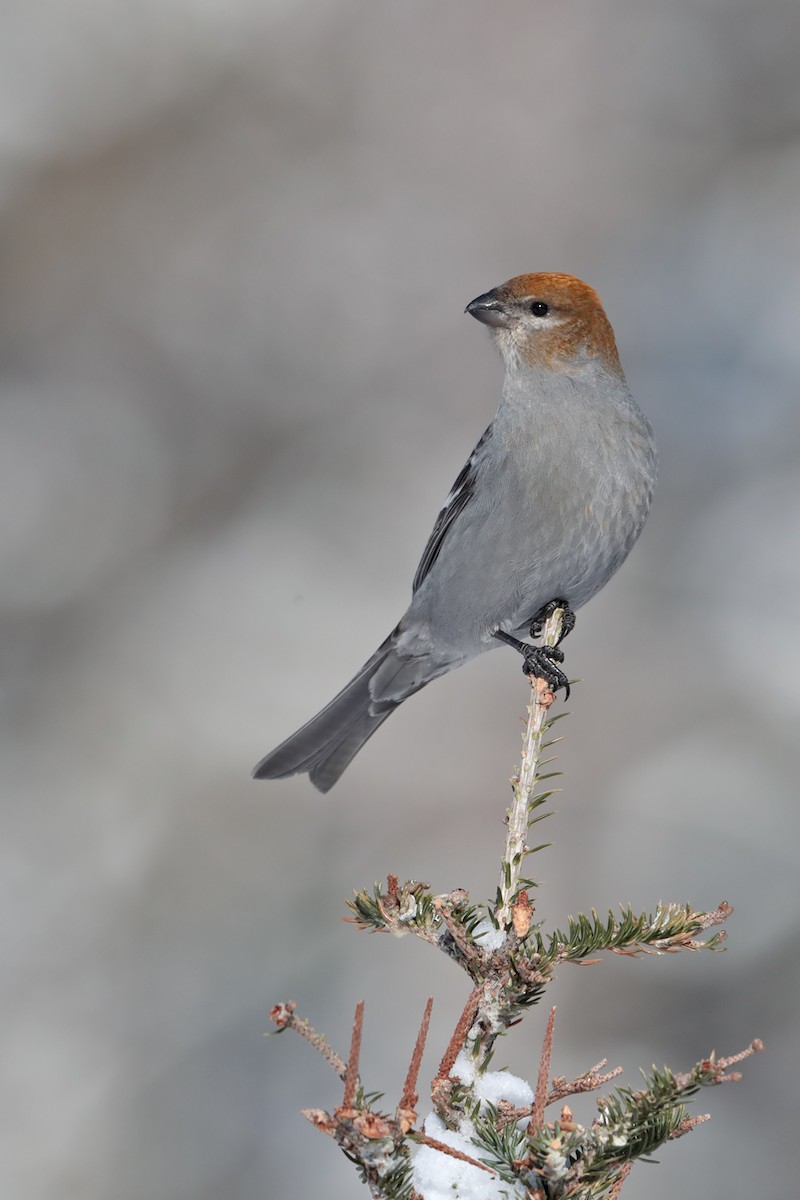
pixel 459 497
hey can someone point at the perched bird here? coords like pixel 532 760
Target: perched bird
pixel 547 508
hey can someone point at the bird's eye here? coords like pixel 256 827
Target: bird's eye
pixel 539 308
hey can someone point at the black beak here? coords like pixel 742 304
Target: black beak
pixel 488 309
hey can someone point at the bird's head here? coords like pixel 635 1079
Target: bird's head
pixel 547 320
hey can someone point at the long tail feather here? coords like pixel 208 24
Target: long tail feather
pixel 327 743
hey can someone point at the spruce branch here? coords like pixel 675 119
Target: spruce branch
pixel 376 1142
pixel 510 969
pixel 545 1159
pixel 671 928
pixel 491 1123
pixel 562 1158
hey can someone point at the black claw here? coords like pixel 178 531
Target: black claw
pixel 546 611
pixel 539 661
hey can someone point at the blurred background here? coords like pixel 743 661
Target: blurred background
pixel 236 243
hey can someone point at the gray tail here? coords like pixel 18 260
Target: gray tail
pixel 330 741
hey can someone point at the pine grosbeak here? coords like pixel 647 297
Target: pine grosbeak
pixel 547 508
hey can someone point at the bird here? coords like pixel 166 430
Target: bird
pixel 545 510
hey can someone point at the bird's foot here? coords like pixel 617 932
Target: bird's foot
pixel 544 614
pixel 539 662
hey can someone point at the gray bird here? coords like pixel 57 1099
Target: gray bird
pixel 547 508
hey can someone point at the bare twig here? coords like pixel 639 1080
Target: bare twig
pixel 435 1144
pixel 717 1068
pixel 755 1047
pixel 284 1017
pixel 459 1035
pixel 543 1078
pixel 406 1114
pixel 524 783
pixel 688 1124
pixel 588 1082
pixel 351 1076
pixel 625 1171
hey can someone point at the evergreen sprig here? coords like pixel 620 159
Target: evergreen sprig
pixel 561 1156
pixel 672 927
pixel 414 909
pixel 523 965
pixel 510 960
pixel 504 1147
pixel 395 1181
pixel 398 910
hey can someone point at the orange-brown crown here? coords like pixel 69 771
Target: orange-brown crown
pixel 581 326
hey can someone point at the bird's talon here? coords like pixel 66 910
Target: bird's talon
pixel 539 663
pixel 545 613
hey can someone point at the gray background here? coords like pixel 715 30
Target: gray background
pixel 237 237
